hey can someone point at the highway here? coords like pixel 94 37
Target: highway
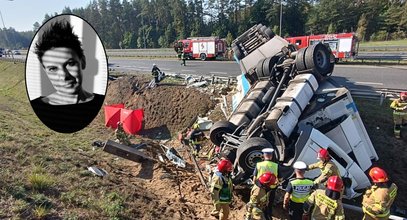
pixel 351 76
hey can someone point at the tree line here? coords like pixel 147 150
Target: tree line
pixel 159 23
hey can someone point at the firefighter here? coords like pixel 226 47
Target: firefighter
pixel 267 165
pixel 221 189
pixel 121 135
pixel 196 137
pixel 259 196
pixel 183 58
pixel 325 204
pixel 156 72
pixel 297 191
pixel 400 113
pixel 378 199
pixel 328 168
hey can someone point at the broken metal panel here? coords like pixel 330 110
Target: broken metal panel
pixel 173 156
pixel 125 151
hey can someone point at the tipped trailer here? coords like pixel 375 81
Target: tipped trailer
pixel 287 101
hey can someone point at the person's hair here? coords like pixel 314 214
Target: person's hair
pixel 59 34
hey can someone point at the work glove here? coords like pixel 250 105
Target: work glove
pixel 305 216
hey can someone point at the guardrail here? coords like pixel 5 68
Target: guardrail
pixel 383 48
pixel 382 56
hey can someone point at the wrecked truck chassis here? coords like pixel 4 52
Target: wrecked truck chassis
pixel 293 106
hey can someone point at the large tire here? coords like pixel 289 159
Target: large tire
pixel 202 56
pixel 317 58
pixel 259 68
pixel 249 153
pixel 300 59
pixel 237 52
pixel 268 65
pixel 269 33
pixel 220 128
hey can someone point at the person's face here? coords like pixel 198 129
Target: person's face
pixel 64 69
pixel 403 97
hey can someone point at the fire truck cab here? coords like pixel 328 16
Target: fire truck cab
pixel 343 45
pixel 203 47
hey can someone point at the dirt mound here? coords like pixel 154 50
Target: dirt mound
pixel 167 108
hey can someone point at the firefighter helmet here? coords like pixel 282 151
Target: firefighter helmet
pixel 268 179
pixel 323 153
pixel 378 175
pixel 225 166
pixel 334 183
pixel 403 95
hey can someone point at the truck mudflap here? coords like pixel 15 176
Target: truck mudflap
pixel 311 141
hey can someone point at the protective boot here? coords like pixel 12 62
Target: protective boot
pixel 397 131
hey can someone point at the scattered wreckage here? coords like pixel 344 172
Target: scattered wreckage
pixel 287 101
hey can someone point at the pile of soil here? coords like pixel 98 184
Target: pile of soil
pixel 167 108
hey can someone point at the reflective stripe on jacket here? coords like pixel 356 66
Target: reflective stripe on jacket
pixel 378 200
pixel 301 190
pixel 325 207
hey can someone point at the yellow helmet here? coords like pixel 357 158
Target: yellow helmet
pixel 195 126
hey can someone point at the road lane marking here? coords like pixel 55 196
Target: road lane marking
pixel 365 83
pixel 188 71
pixel 223 73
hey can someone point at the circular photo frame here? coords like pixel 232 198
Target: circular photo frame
pixel 66 73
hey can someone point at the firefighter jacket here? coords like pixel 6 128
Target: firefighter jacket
pixel 328 169
pixel 399 107
pixel 121 136
pixel 325 208
pixel 221 188
pixel 377 201
pixel 196 137
pixel 155 71
pixel 264 166
pixel 299 189
pixel 259 198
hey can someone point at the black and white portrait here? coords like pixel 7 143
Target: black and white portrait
pixel 66 73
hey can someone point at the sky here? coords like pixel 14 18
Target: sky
pixel 22 14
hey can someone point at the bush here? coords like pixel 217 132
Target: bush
pixel 379 36
pixel 398 35
pixel 40 212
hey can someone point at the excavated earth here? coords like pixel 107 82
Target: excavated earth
pixel 161 190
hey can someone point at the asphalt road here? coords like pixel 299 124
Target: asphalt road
pixel 351 76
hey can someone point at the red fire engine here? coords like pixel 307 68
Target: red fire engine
pixel 343 45
pixel 202 47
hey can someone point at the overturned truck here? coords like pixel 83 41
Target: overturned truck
pixel 289 102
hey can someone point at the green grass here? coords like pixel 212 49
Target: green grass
pixel 383 43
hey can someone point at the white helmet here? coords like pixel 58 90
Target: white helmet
pixel 154 65
pixel 268 151
pixel 300 165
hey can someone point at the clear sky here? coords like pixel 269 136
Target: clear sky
pixel 22 14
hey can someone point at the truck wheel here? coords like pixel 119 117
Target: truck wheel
pixel 249 153
pixel 259 68
pixel 268 65
pixel 300 60
pixel 220 128
pixel 238 54
pixel 317 58
pixel 203 56
pixel 269 33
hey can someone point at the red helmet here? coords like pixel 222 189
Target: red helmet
pixel 323 153
pixel 335 183
pixel 403 94
pixel 225 166
pixel 268 179
pixel 378 175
